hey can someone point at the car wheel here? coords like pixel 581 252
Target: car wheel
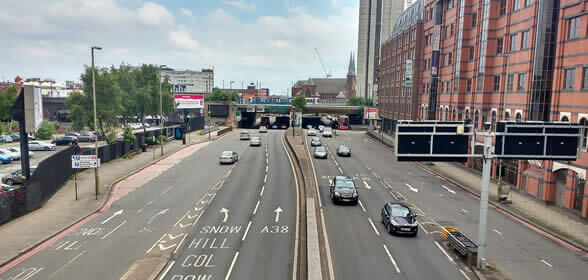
pixel 10 182
pixel 46 149
pixel 390 229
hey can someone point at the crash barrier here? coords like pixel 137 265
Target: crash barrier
pixel 460 243
pixel 55 170
pixel 377 136
pixel 223 131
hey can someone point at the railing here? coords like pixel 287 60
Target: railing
pixel 287 102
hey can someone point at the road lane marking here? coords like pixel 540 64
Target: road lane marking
pixel 167 269
pixel 255 210
pixel 393 195
pixel 265 178
pixel 140 210
pixel 162 212
pixel 361 204
pixel 113 215
pixel 548 264
pixel 246 231
pixel 464 211
pixel 391 259
pixel 164 192
pixel 374 226
pixel 68 263
pixel 266 167
pixel 411 188
pixel 336 163
pixel 340 170
pixel 179 244
pixel 442 250
pixel 106 235
pixel 399 194
pixel 295 265
pixel 262 189
pixel 368 167
pixel 448 189
pixel 366 185
pixel 277 211
pixel 232 265
pixel 423 228
pixel 464 274
pixel 176 224
pixel 500 233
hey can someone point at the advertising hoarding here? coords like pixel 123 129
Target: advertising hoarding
pixel 370 113
pixel 189 101
pixel 408 73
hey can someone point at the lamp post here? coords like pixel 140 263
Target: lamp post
pixel 96 175
pixel 161 114
pixel 231 84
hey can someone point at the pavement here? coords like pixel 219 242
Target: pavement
pixel 62 210
pixel 516 248
pixel 186 215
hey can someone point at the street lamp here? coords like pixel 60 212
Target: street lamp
pixel 231 84
pixel 161 113
pixel 97 177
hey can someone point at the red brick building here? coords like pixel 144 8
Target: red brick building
pixel 504 60
pixel 328 88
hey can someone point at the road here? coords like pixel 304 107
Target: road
pixel 217 219
pixel 519 252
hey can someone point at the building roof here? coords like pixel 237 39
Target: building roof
pixel 329 85
pixel 351 70
pixel 409 17
pixel 308 82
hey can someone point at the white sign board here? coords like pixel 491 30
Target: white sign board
pixel 189 101
pixel 33 108
pixel 84 161
pixel 436 37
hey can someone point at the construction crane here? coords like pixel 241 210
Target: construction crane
pixel 327 74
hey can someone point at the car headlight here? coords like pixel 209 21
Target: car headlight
pixel 393 222
pixel 337 194
pixel 355 194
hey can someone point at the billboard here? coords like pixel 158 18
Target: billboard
pixel 189 101
pixel 436 37
pixel 218 110
pixel 33 107
pixel 408 74
pixel 370 113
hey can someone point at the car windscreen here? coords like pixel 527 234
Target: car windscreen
pixel 343 148
pixel 227 154
pixel 255 139
pixel 316 139
pixel 321 149
pixel 399 211
pixel 344 184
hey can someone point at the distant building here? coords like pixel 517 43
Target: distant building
pixel 49 88
pixel 250 92
pixel 189 81
pixel 328 88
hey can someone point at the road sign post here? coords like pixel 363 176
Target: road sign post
pixel 486 168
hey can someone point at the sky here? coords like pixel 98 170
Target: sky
pixel 270 41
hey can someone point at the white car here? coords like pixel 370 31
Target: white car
pixel 311 132
pixel 321 128
pixel 17 151
pixel 13 155
pixel 327 132
pixel 229 157
pixel 41 146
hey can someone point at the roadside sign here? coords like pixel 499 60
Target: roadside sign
pixel 84 161
pixel 260 108
pixel 370 113
pixel 251 108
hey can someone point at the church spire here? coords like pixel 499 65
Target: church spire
pixel 351 71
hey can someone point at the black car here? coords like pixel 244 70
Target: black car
pixel 65 141
pixel 315 141
pixel 87 136
pixel 343 190
pixel 74 134
pixel 398 218
pixel 343 151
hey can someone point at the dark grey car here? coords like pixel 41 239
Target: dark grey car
pixel 398 218
pixel 343 151
pixel 16 177
pixel 343 190
pixel 315 141
pixel 86 136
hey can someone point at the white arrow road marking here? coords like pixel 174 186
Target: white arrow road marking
pixel 277 211
pixel 411 188
pixel 366 185
pixel 113 215
pixel 226 212
pixel 500 233
pixel 160 213
pixel 448 189
pixel 163 248
pixel 183 226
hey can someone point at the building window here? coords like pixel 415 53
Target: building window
pixel 474 19
pixel 469 85
pixel 496 83
pixel 502 7
pixel 452 29
pixel 450 58
pixel 524 40
pixel 459 116
pixel 528 3
pixel 499 43
pixel 471 57
pixel 584 123
pixel 476 119
pixel 453 115
pixel 522 81
pixel 585 78
pixel 510 82
pixel 574 27
pixel 569 78
pixel 446 113
pixel 467 114
pixel 516 5
pixel 513 42
pixel 493 120
pixel 506 116
pixel 518 117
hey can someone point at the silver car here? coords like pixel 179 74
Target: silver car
pixel 311 132
pixel 41 146
pixel 13 155
pixel 17 151
pixel 315 141
pixel 16 177
pixel 229 157
pixel 320 152
pixel 255 141
pixel 244 135
pixel 327 132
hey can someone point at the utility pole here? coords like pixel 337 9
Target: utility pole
pixel 161 114
pixel 486 168
pixel 499 188
pixel 96 175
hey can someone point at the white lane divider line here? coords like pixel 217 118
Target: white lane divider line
pixel 256 205
pixel 340 170
pixel 68 263
pixel 448 189
pixel 266 167
pixel 106 235
pixel 265 178
pixel 443 250
pixel 391 259
pixel 393 195
pixel 336 163
pixel 411 188
pixel 399 194
pixel 374 226
pixel 366 185
pixel 498 232
pixel 169 267
pixel 170 187
pixel 141 210
pixel 423 228
pixel 246 231
pixel 546 263
pixel 361 204
pixel 464 274
pixel 368 167
pixel 464 211
pixel 262 189
pixel 232 265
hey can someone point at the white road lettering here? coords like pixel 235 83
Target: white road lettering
pixel 203 243
pixel 198 261
pixel 113 215
pixel 274 229
pixel 448 189
pixel 221 229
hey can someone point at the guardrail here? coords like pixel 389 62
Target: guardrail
pixel 463 245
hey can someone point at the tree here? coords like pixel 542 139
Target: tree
pixel 7 98
pixel 299 102
pixel 356 101
pixel 126 80
pixel 222 96
pixel 147 95
pixel 46 130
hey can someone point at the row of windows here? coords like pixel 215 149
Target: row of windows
pixel 404 39
pixel 569 78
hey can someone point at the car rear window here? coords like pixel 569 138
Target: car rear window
pixel 226 154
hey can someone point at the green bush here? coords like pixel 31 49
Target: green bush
pixel 128 135
pixel 151 141
pixel 46 130
pixel 162 138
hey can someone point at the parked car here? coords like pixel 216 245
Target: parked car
pixel 327 132
pixel 41 146
pixel 229 157
pixel 146 125
pixel 6 159
pixel 315 141
pixel 244 135
pixel 8 188
pixel 5 139
pixel 311 132
pixel 13 155
pixel 16 177
pixel 86 136
pixel 262 129
pixel 320 152
pixel 284 126
pixel 343 189
pixel 398 218
pixel 255 141
pixel 74 134
pixel 343 151
pixel 16 137
pixel 17 150
pixel 65 141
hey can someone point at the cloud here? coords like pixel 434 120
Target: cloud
pixel 182 40
pixel 186 13
pixel 240 4
pixel 155 15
